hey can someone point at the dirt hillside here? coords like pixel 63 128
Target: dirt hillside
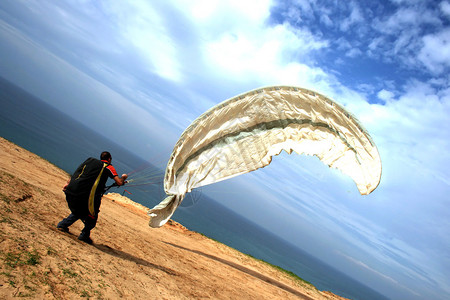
pixel 128 259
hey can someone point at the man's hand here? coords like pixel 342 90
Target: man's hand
pixel 65 186
pixel 121 180
pixel 124 177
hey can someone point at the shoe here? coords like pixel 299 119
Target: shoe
pixel 63 229
pixel 85 239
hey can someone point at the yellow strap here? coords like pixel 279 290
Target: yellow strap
pixel 94 188
pixel 81 172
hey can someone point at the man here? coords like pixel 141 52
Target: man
pixel 84 192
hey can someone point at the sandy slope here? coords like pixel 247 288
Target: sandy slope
pixel 128 260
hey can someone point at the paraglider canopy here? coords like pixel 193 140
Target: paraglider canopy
pixel 242 134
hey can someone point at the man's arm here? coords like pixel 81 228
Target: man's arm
pixel 121 180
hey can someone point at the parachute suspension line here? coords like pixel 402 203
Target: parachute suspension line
pixel 221 192
pixel 147 171
pixel 158 162
pixel 192 198
pixel 146 175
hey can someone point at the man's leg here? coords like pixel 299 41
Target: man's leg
pixel 89 224
pixel 65 223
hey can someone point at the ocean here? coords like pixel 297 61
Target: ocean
pixel 34 125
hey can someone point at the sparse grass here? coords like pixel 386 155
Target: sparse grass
pixel 87 291
pixel 30 288
pixel 5 198
pixel 24 295
pixel 14 259
pixel 12 283
pixel 101 284
pixel 69 273
pixel 21 242
pixel 7 220
pixel 7 274
pixel 51 251
pixel 33 258
pixel 289 273
pixel 10 278
pixel 19 185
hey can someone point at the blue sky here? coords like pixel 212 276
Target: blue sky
pixel 157 65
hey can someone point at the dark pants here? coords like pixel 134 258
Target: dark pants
pixel 89 223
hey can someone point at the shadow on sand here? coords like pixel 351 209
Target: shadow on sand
pixel 132 258
pixel 247 271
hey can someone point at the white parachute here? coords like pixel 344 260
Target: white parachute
pixel 242 134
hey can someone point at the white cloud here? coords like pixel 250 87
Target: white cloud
pixel 325 19
pixel 305 6
pixel 445 8
pixel 250 52
pixel 360 263
pixel 401 19
pixel 374 46
pixel 234 42
pixel 365 88
pixel 141 26
pixel 209 11
pixel 415 123
pixel 435 53
pixel 266 56
pixel 400 37
pixel 354 52
pixel 343 44
pixel 385 95
pixel 354 18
